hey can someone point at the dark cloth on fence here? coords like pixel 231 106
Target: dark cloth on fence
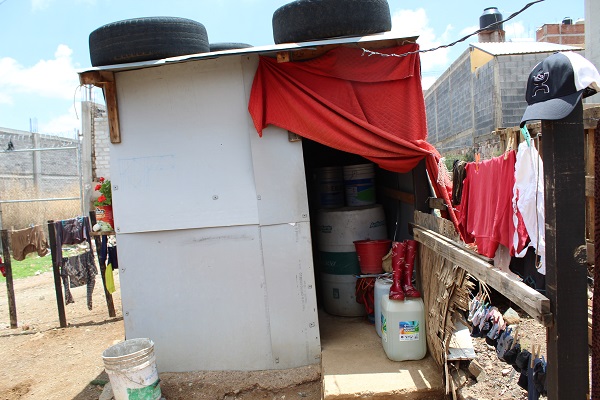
pixel 77 271
pixel 71 231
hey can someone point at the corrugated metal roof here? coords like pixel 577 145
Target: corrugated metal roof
pixel 268 49
pixel 508 48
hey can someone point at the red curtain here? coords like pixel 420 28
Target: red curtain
pixel 369 105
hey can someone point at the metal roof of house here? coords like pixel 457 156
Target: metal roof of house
pixel 366 41
pixel 508 48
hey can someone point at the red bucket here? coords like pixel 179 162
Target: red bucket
pixel 370 253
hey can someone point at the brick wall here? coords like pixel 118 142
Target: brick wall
pixel 101 142
pixel 562 34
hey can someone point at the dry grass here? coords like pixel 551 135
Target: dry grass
pixel 22 215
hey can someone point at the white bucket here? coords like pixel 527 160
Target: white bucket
pixel 339 296
pixel 330 185
pixel 131 368
pixel 359 181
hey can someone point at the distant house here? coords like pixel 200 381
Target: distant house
pixel 482 91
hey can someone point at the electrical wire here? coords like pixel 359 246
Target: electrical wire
pixel 490 26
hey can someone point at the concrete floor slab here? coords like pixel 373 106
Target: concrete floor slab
pixel 354 365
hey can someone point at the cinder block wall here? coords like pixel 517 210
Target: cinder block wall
pixel 57 168
pixel 464 108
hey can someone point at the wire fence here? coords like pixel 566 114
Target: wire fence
pixel 40 180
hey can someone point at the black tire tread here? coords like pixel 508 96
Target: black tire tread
pixel 143 39
pixel 228 46
pixel 306 20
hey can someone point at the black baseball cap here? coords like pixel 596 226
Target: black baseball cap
pixel 556 85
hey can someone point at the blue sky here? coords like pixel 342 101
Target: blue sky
pixel 45 42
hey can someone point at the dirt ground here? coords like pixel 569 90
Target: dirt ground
pixel 42 361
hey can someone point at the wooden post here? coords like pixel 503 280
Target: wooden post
pixel 62 317
pixel 109 299
pixel 566 279
pixel 10 290
pixel 596 257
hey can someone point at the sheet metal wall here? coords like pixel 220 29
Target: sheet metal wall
pixel 212 221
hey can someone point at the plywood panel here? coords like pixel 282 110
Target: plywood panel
pixel 200 295
pixel 278 168
pixel 292 296
pixel 184 160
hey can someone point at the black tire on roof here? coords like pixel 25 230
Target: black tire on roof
pixel 305 20
pixel 228 46
pixel 143 39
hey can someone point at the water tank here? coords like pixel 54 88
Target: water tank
pixel 567 21
pixel 489 16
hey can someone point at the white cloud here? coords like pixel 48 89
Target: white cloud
pixel 66 124
pixel 38 5
pixel 415 22
pixel 515 30
pixel 468 30
pixel 55 78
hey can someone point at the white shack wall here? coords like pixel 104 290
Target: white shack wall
pixel 212 223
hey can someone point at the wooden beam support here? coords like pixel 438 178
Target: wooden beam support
pixel 106 80
pixel 10 290
pixel 396 194
pixel 110 95
pixel 60 303
pixel 528 299
pixel 566 278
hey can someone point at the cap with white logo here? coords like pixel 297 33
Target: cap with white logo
pixel 557 84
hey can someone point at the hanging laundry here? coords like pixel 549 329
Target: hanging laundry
pixel 108 253
pixel 71 231
pixel 77 271
pixel 458 176
pixel 28 240
pixel 528 199
pixel 486 205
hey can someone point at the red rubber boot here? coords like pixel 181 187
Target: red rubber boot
pixel 398 251
pixel 407 273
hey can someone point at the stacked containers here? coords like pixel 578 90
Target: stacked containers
pixel 338 261
pixel 339 227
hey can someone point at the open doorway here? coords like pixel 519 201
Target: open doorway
pixel 396 196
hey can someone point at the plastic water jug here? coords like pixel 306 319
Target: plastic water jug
pixel 382 287
pixel 403 328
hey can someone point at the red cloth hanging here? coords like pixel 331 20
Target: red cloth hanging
pixel 486 216
pixel 372 106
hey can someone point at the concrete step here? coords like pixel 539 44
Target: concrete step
pixel 354 365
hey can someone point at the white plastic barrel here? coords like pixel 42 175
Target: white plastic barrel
pixel 339 295
pixel 359 184
pixel 403 328
pixel 131 369
pixel 330 186
pixel 382 287
pixel 337 231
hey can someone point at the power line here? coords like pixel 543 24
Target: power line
pixel 489 27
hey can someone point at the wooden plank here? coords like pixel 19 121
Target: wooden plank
pixel 589 186
pixel 97 240
pixel 62 316
pixel 461 344
pixel 396 194
pixel 590 253
pixel 437 203
pixel 10 290
pixel 590 117
pixel 110 96
pixel 528 299
pixel 566 279
pixel 438 225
